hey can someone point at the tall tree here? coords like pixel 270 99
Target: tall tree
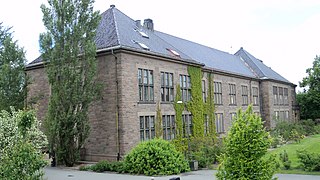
pixel 69 51
pixel 309 100
pixel 12 76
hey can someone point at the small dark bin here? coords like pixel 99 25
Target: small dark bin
pixel 175 178
pixel 193 165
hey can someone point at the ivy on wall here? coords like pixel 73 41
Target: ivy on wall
pixel 158 125
pixel 210 108
pixel 196 105
pixel 178 107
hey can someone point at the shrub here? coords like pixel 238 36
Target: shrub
pixel 245 147
pixel 22 161
pixel 284 158
pixel 205 150
pixel 21 143
pixel 155 157
pixel 309 161
pixel 101 166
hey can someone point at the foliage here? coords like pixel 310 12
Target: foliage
pixel 205 150
pixel 210 107
pixel 196 105
pixel 311 143
pixel 309 101
pixel 12 76
pixel 284 158
pixel 158 125
pixel 178 107
pixel 309 161
pixel 245 146
pixel 69 51
pixel 21 143
pixel 22 161
pixel 155 157
pixel 103 165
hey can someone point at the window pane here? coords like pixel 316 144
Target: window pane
pixel 140 93
pixel 150 77
pixel 184 81
pixel 145 92
pixel 151 93
pixel 145 76
pixel 162 79
pixel 167 94
pixel 166 79
pixel 147 122
pixel 140 76
pixel 189 82
pixel 142 135
pixel 171 94
pixel 141 122
pixel 152 122
pixel 171 80
pixel 162 94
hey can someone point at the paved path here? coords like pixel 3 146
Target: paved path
pixel 68 174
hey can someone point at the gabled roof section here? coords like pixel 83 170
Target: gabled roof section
pixel 262 71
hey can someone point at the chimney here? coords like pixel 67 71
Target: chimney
pixel 148 24
pixel 138 23
pixel 112 6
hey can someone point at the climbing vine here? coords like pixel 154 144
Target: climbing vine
pixel 158 125
pixel 210 108
pixel 196 105
pixel 178 107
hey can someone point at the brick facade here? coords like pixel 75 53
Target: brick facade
pixel 114 119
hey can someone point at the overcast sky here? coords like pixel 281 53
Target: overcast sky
pixel 284 34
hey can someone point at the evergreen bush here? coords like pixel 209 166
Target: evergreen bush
pixel 309 161
pixel 284 158
pixel 155 157
pixel 245 147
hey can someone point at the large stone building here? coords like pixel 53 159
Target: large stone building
pixel 140 67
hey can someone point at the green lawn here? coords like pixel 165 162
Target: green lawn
pixel 311 144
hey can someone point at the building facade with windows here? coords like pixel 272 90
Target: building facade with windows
pixel 141 68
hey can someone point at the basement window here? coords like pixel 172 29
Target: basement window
pixel 143 46
pixel 173 52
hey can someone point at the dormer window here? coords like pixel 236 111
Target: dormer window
pixel 173 52
pixel 143 46
pixel 143 34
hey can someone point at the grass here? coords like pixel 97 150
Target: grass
pixel 311 144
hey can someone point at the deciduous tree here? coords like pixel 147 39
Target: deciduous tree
pixel 12 76
pixel 69 51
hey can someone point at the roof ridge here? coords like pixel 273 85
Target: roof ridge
pixel 115 23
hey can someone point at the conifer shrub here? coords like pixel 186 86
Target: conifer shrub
pixel 284 158
pixel 155 157
pixel 245 147
pixel 309 161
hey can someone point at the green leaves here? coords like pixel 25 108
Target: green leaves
pixel 12 76
pixel 246 144
pixel 69 50
pixel 155 157
pixel 21 142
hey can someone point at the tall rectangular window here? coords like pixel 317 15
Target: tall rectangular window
pixel 275 95
pixel 286 115
pixel 255 96
pixel 147 127
pixel 218 93
pixel 145 79
pixel 187 124
pixel 280 96
pixel 244 90
pixel 167 87
pixel 185 85
pixel 206 124
pixel 285 96
pixel 169 127
pixel 232 94
pixel 204 94
pixel 219 122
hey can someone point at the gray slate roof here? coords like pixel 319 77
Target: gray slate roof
pixel 260 69
pixel 118 30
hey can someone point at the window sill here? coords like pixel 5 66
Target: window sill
pixel 146 102
pixel 166 102
pixel 232 104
